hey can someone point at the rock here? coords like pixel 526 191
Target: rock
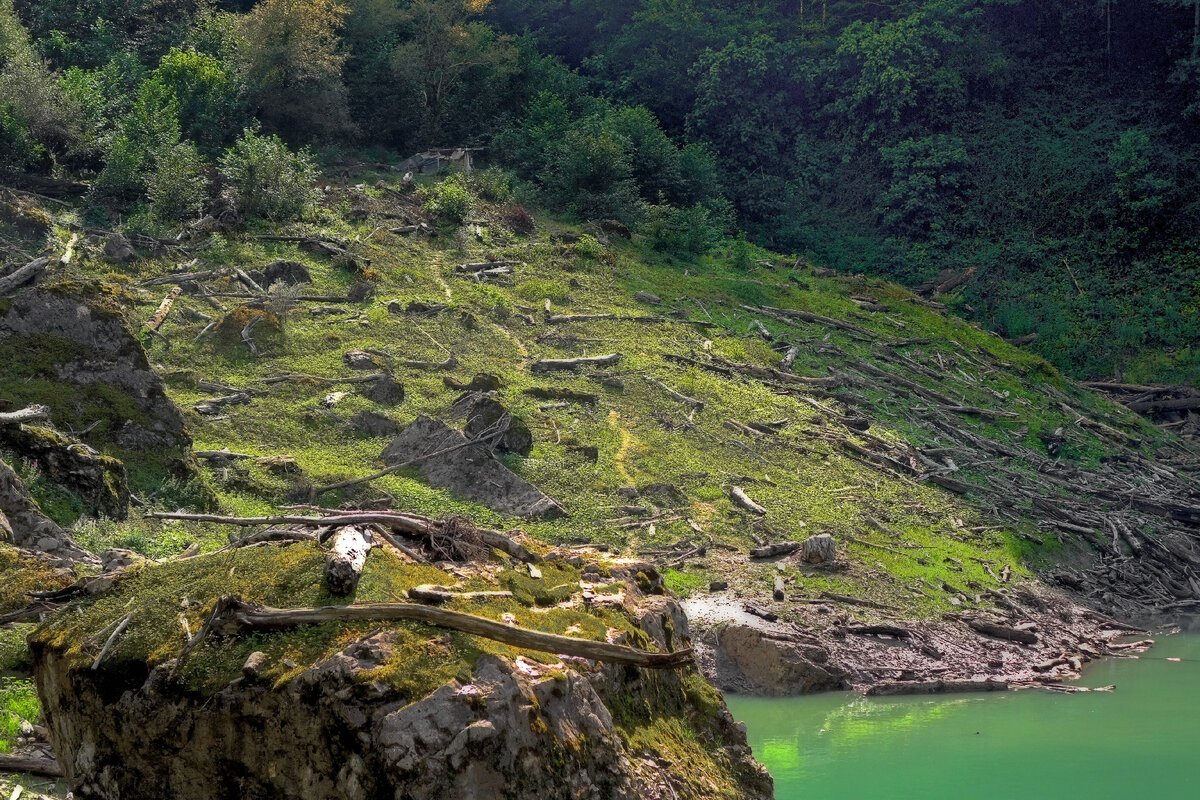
pixel 118 249
pixel 361 361
pixel 487 417
pixel 387 391
pixel 74 336
pixel 23 524
pixel 508 731
pixel 98 480
pixel 718 586
pixel 646 297
pixel 751 660
pixel 614 227
pixel 372 423
pixel 280 465
pixel 361 291
pixel 820 549
pixel 470 471
pixel 119 558
pixel 482 382
pixel 289 272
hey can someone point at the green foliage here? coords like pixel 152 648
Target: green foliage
pixel 687 231
pixel 151 128
pixel 18 703
pixel 293 67
pixel 207 94
pixel 177 188
pixel 927 176
pixel 450 199
pixel 18 149
pixel 269 180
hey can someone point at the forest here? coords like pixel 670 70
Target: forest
pixel 1044 147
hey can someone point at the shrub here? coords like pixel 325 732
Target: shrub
pixel 18 149
pixel 492 184
pixel 269 180
pixel 449 200
pixel 177 188
pixel 681 230
pixel 519 220
pixel 589 246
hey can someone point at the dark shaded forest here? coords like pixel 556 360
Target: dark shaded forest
pixel 1041 151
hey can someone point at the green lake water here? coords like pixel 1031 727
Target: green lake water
pixel 1140 741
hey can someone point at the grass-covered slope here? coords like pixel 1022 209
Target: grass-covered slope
pixel 923 379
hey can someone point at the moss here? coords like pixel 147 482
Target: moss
pixel 159 596
pixel 20 574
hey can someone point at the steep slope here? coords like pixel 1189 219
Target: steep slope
pixel 986 514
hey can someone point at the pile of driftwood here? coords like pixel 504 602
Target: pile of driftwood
pixel 1175 408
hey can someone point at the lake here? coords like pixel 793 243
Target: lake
pixel 1140 741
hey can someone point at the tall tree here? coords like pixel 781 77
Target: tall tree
pixel 293 65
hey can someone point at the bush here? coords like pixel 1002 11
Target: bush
pixel 519 220
pixel 492 184
pixel 680 230
pixel 177 188
pixel 269 180
pixel 18 149
pixel 449 200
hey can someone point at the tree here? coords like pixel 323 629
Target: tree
pixel 293 67
pixel 445 42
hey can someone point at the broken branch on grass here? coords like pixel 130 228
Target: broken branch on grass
pixel 232 616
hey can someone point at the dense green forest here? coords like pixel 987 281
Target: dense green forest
pixel 1046 146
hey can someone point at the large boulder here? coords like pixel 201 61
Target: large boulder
pixel 749 659
pixel 23 524
pixel 68 347
pixel 490 421
pixel 447 458
pixel 98 480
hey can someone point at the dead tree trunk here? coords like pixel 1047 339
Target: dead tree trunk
pixel 344 562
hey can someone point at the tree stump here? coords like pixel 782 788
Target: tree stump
pixel 819 549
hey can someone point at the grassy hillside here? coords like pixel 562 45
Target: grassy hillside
pixel 814 475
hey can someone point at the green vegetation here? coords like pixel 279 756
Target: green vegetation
pixel 18 704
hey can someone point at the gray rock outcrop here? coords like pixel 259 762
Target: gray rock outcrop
pixel 749 659
pixel 63 339
pixel 24 525
pixel 513 730
pixel 468 470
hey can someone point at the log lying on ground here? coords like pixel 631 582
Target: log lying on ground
pixel 698 405
pixel 345 560
pixel 814 319
pixel 34 413
pixel 442 594
pixel 879 630
pixel 483 266
pixel 1002 631
pixel 24 274
pixel 186 277
pixel 776 549
pixel 164 308
pixel 450 363
pixel 558 318
pixel 31 765
pixel 559 364
pixel 738 495
pixel 231 616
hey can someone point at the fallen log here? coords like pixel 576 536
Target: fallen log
pixel 698 405
pixel 217 403
pixel 815 319
pixel 164 308
pixel 561 364
pixel 1002 631
pixel 879 630
pixel 778 594
pixel 1158 406
pixel 345 560
pixel 557 318
pixel 186 277
pixel 23 274
pixel 450 363
pixel 30 765
pixel 33 413
pixel 231 616
pixel 483 266
pixel 739 496
pixel 441 594
pixel 776 549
